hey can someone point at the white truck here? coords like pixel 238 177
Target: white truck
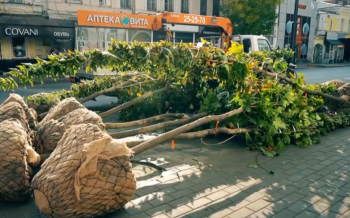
pixel 250 42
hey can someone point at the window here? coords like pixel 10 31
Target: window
pixel 216 8
pixel 168 5
pixel 151 5
pixel 342 25
pixel 185 6
pixel 331 26
pixel 15 1
pixel 19 47
pixel 74 1
pixel 125 4
pixel 203 7
pixel 105 2
pixel 263 45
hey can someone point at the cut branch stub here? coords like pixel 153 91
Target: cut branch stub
pixel 173 133
pixel 152 128
pixel 132 102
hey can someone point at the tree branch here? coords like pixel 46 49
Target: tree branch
pixel 312 92
pixel 191 135
pixel 102 92
pixel 142 121
pixel 132 102
pixel 173 133
pixel 152 128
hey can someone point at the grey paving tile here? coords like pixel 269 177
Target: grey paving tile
pixel 299 206
pixel 319 207
pixel 285 214
pixel 339 208
pixel 264 213
pixel 241 213
pixel 329 214
pixel 307 214
pixel 258 205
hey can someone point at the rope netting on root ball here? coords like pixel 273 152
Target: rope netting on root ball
pixel 88 174
pixel 16 159
pixel 30 113
pixel 51 131
pixel 61 109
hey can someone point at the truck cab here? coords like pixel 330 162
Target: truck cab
pixel 250 42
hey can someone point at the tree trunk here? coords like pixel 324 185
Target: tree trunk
pixel 192 135
pixel 173 133
pixel 132 102
pixel 152 128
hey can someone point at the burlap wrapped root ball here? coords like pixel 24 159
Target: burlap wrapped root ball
pixel 88 174
pixel 14 110
pixel 30 113
pixel 61 109
pixel 48 135
pixel 16 159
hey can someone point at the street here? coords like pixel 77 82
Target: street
pixel 313 75
pixel 320 75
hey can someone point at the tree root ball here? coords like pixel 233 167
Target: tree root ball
pixel 51 132
pixel 89 174
pixel 61 109
pixel 16 159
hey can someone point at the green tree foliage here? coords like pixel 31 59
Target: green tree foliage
pixel 206 80
pixel 250 16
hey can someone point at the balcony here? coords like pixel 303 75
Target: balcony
pixel 21 7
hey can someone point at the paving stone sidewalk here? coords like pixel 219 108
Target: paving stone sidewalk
pixel 214 181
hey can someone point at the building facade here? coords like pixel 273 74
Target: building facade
pixel 36 28
pixel 305 28
pixel 332 40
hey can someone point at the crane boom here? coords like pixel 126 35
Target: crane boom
pixel 192 19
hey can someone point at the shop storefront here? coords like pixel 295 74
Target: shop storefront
pixel 97 28
pixel 26 42
pixel 30 42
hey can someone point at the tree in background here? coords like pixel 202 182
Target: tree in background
pixel 251 16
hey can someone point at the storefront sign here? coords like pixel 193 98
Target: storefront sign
pixel 21 31
pixel 42 32
pixel 110 19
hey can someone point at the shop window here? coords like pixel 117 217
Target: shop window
pixel 184 37
pixel 61 46
pixel 168 5
pixel 19 47
pixel 125 4
pixel 139 35
pixel 151 5
pixel 185 6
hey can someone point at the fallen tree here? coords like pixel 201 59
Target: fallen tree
pixel 166 79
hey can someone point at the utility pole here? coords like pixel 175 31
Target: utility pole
pixel 294 32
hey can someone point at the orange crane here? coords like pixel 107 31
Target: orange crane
pixel 174 18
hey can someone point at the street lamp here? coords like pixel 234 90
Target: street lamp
pixel 294 32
